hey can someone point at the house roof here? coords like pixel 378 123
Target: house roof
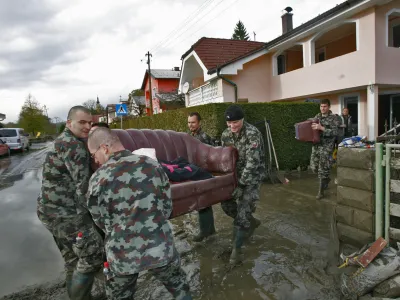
pixel 209 54
pixel 161 74
pixel 139 100
pixel 215 52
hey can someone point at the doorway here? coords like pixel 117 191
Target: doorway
pixel 394 110
pixel 352 102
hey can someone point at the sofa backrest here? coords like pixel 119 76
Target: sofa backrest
pixel 170 145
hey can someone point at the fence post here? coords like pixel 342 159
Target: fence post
pixel 378 190
pixel 388 154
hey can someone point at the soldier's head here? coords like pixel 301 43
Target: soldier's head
pixel 234 117
pixel 325 106
pixel 97 125
pixel 345 111
pixel 102 143
pixel 79 121
pixel 194 121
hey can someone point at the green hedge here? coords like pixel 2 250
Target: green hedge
pixel 282 116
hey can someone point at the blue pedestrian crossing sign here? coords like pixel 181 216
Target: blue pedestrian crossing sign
pixel 121 109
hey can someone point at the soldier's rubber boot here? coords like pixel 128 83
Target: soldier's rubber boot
pixel 237 254
pixel 254 223
pixel 321 192
pixel 81 286
pixel 206 224
pixel 68 282
pixel 327 180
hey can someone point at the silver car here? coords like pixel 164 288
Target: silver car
pixel 15 138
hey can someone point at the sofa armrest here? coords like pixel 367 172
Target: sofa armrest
pixel 216 159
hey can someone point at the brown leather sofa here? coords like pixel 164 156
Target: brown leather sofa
pixel 169 145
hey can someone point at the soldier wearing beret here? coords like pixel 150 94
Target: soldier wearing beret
pixel 248 140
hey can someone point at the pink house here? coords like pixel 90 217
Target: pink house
pixel 349 54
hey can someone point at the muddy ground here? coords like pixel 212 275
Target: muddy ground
pixel 286 259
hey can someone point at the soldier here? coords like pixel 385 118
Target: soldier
pixel 206 215
pixel 97 125
pixel 248 140
pixel 129 197
pixel 321 153
pixel 62 208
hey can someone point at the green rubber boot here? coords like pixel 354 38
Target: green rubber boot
pixel 237 254
pixel 81 286
pixel 206 224
pixel 254 223
pixel 322 186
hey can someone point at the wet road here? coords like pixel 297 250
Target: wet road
pixel 285 259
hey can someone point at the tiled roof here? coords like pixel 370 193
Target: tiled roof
pixel 217 52
pixel 161 73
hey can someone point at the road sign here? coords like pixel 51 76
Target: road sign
pixel 121 109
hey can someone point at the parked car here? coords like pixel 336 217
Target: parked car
pixel 15 138
pixel 4 149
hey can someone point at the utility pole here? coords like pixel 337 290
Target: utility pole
pixel 148 54
pixel 45 109
pixel 254 36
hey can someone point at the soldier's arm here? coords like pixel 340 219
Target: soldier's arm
pixel 208 140
pixel 165 191
pixel 223 139
pixel 77 161
pixel 253 161
pixel 93 204
pixel 333 128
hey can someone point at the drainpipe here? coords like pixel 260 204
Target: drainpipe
pixel 230 82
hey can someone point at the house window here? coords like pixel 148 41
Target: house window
pixel 281 61
pixel 320 55
pixel 393 21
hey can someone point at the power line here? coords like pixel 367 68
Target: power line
pixel 177 37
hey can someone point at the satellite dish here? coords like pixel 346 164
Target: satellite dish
pixel 185 88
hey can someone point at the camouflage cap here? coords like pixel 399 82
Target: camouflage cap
pixel 234 113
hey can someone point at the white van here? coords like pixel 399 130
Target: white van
pixel 15 138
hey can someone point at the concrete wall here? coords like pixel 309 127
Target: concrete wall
pixel 355 210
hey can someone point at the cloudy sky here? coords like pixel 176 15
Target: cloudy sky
pixel 66 52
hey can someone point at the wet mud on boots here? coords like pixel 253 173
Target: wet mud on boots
pixel 322 187
pixel 254 223
pixel 237 254
pixel 206 224
pixel 81 286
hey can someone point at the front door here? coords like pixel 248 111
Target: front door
pixel 352 102
pixel 394 110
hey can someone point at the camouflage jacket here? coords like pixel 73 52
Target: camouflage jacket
pixel 202 137
pixel 129 198
pixel 66 174
pixel 331 123
pixel 250 145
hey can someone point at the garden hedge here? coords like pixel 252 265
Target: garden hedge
pixel 281 115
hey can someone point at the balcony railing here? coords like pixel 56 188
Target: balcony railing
pixel 204 94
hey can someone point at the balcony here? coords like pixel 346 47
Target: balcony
pixel 210 92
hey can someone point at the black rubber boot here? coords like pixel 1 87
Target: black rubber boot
pixel 254 223
pixel 327 180
pixel 206 224
pixel 237 254
pixel 322 187
pixel 81 286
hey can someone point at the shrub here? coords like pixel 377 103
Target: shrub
pixel 281 115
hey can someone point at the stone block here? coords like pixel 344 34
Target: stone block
pixel 344 214
pixel 356 158
pixel 353 236
pixel 356 178
pixel 363 220
pixel 360 199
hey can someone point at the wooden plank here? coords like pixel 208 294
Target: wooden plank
pixel 395 210
pixel 395 186
pixel 372 252
pixel 395 163
pixel 394 233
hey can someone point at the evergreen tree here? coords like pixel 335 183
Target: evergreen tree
pixel 240 32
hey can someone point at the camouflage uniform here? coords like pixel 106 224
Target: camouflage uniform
pixel 61 207
pixel 250 170
pixel 202 137
pixel 206 215
pixel 130 200
pixel 321 161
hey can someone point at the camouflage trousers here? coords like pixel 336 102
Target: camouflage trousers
pixel 241 209
pixel 321 161
pixel 171 276
pixel 85 256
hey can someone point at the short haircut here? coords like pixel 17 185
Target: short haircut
pixel 103 135
pixel 325 101
pixel 72 112
pixel 195 113
pixel 100 124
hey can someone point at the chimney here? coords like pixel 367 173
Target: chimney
pixel 176 68
pixel 287 20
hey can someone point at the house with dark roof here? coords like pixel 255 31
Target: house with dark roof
pixel 164 90
pixel 349 54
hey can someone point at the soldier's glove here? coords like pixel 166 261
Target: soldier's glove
pixel 238 192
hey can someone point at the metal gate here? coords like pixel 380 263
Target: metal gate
pixel 387 192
